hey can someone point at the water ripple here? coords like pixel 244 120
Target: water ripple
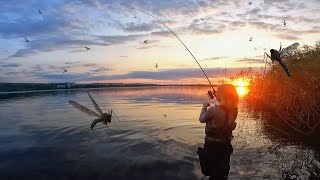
pixel 44 137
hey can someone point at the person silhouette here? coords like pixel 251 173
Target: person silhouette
pixel 220 122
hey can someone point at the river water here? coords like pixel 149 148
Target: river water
pixel 43 137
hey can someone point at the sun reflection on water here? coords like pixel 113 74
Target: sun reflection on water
pixel 242 91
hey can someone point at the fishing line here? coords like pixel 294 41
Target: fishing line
pixel 214 91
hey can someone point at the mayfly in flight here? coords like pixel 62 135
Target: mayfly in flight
pixel 278 55
pixel 25 39
pixel 104 118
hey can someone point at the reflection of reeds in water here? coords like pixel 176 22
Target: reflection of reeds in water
pixel 291 105
pixel 269 159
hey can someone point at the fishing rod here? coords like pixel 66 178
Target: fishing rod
pixel 211 94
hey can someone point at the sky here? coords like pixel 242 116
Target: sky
pixel 217 32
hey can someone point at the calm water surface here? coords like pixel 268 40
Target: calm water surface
pixel 44 137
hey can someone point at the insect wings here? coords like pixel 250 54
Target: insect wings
pixel 83 109
pixel 278 55
pixel 95 105
pixel 288 50
pixel 101 117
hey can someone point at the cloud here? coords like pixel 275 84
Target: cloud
pixel 53 77
pixel 287 37
pixel 24 73
pixel 119 39
pixel 31 24
pixel 38 67
pixel 144 47
pixel 52 44
pixel 250 60
pixel 9 65
pixel 12 73
pixel 171 74
pixel 70 63
pixel 62 27
pixel 162 34
pixel 254 11
pixel 289 19
pixel 52 66
pixel 206 28
pixel 89 65
pixel 72 25
pixel 65 42
pixel 100 70
pixel 283 6
pixel 213 58
pixel 133 27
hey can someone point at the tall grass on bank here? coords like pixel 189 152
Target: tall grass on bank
pixel 290 105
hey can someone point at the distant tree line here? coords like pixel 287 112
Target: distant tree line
pixel 11 87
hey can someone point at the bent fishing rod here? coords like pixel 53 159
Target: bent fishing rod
pixel 211 94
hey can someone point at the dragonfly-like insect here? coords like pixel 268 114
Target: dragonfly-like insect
pixel 104 118
pixel 278 55
pixel 26 39
pixel 64 70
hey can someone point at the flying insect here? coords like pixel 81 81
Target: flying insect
pixel 104 118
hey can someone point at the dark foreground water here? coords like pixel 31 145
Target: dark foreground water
pixel 44 137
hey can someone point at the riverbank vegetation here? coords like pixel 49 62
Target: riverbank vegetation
pixel 289 105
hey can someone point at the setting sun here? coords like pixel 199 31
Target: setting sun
pixel 240 83
pixel 242 91
pixel 241 86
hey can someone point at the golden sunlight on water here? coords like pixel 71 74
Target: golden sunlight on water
pixel 242 87
pixel 242 91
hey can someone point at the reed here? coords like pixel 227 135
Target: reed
pixel 290 106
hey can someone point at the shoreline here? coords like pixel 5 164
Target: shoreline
pixel 74 89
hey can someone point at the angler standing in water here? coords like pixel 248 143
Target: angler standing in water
pixel 220 122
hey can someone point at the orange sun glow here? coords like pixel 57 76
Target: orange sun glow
pixel 241 87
